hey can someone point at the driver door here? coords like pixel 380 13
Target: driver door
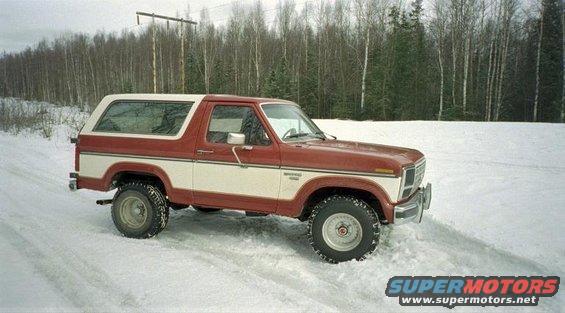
pixel 219 179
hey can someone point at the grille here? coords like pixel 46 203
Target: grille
pixel 419 174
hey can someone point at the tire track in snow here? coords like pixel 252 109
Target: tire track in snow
pixel 81 283
pixel 293 293
pixel 466 256
pixel 450 237
pixel 213 252
pixel 218 252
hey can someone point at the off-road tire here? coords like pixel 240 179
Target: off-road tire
pixel 354 207
pixel 205 210
pixel 155 203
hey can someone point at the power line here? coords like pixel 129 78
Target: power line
pixel 266 10
pixel 164 17
pixel 167 18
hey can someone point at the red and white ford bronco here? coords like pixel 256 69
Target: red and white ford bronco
pixel 262 156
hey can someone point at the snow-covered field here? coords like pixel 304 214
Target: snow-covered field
pixel 497 209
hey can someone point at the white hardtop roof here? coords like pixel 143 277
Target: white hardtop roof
pixel 153 96
pixel 196 98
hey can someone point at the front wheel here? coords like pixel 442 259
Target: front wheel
pixel 342 228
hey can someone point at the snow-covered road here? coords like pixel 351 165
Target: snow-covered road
pixel 497 210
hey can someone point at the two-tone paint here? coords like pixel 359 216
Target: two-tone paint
pixel 278 178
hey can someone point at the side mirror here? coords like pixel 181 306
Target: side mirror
pixel 236 139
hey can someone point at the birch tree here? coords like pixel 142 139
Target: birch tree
pixel 439 32
pixel 365 13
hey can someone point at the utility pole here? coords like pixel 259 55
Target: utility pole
pixel 536 99
pixel 154 56
pixel 182 74
pixel 167 18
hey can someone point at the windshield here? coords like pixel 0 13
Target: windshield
pixel 291 123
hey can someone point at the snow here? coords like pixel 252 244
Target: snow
pixel 501 183
pixel 496 210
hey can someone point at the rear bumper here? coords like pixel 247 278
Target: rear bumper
pixel 73 185
pixel 413 209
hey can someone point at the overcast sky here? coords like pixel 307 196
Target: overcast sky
pixel 25 22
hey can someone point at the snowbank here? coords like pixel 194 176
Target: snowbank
pixel 501 183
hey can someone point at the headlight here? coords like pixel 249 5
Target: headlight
pixel 412 177
pixel 407 182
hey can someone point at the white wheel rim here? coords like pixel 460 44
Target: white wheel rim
pixel 342 232
pixel 133 212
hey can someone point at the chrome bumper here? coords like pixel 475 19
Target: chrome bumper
pixel 413 209
pixel 73 185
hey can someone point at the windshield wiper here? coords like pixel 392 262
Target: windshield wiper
pixel 321 135
pixel 299 135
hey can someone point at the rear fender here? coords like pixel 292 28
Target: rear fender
pixel 122 167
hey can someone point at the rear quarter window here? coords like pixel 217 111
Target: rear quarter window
pixel 144 118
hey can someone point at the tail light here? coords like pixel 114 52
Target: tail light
pixel 77 154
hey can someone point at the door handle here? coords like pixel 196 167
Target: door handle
pixel 199 151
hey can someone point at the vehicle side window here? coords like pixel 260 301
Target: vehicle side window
pixel 144 118
pixel 236 119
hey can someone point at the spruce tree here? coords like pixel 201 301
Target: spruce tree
pixel 401 64
pixel 278 84
pixel 194 80
pixel 550 63
pixel 308 82
pixel 419 65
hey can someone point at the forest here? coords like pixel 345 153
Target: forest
pixel 479 60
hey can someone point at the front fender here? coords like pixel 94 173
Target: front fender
pixel 295 206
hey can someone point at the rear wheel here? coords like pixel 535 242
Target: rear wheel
pixel 205 210
pixel 342 228
pixel 139 210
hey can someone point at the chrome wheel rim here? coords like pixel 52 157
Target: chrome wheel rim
pixel 342 232
pixel 133 212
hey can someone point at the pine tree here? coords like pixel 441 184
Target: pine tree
pixel 401 65
pixel 127 87
pixel 220 81
pixel 308 82
pixel 194 81
pixel 419 64
pixel 278 84
pixel 550 63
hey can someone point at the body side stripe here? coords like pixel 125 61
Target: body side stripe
pixel 133 156
pixel 316 170
pixel 284 168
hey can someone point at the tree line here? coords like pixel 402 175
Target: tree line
pixel 484 60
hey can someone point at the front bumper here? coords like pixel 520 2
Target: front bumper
pixel 413 209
